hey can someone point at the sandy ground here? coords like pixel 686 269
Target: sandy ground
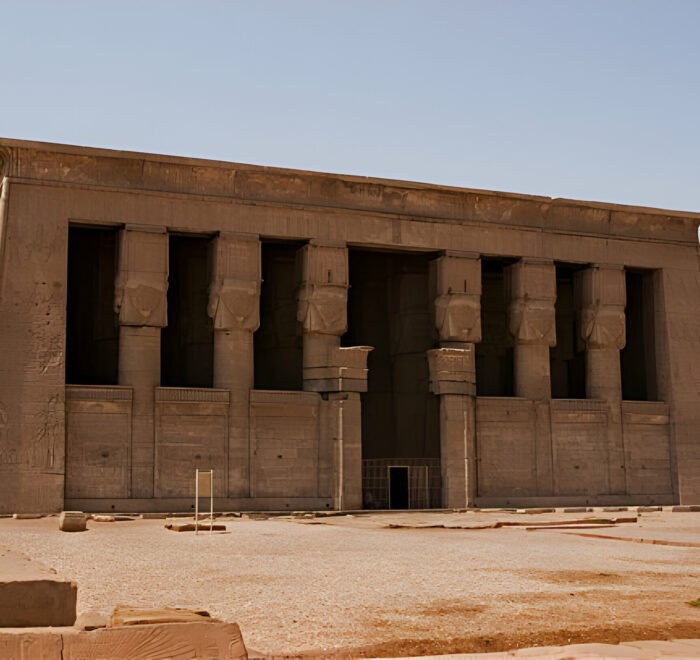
pixel 355 586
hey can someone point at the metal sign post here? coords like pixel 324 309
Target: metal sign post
pixel 203 487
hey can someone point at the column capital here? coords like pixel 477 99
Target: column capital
pixel 456 284
pixel 323 289
pixel 141 285
pixel 601 291
pixel 532 288
pixel 234 291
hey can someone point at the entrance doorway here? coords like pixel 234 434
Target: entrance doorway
pixel 398 487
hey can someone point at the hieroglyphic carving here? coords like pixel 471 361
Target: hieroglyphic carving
pixel 8 455
pixel 234 292
pixel 601 291
pixel 533 291
pixel 323 290
pixel 42 453
pixel 141 286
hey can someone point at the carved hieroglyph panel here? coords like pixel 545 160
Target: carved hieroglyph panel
pixel 285 431
pixel 505 432
pixel 98 439
pixel 190 435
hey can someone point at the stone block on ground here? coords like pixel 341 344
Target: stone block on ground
pixel 72 521
pixel 92 620
pixel 189 527
pixel 157 641
pixel 33 595
pixel 124 615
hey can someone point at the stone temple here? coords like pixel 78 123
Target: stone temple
pixel 335 342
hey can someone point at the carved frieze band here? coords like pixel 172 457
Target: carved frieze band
pixel 174 394
pixel 97 393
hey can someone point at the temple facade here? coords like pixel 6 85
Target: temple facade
pixel 334 342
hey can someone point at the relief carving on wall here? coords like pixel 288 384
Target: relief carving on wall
pixel 140 299
pixel 8 455
pixel 323 308
pixel 458 317
pixel 234 304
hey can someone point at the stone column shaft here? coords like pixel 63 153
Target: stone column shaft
pixel 234 306
pixel 141 302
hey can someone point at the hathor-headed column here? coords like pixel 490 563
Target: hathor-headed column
pixel 234 306
pixel 602 295
pixel 601 291
pixel 532 286
pixel 456 285
pixel 532 289
pixel 328 368
pixel 141 303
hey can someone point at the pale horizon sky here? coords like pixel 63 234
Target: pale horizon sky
pixel 595 99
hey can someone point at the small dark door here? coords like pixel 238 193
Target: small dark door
pixel 398 487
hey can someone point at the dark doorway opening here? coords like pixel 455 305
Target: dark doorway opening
pixel 567 360
pixel 494 354
pixel 92 329
pixel 398 487
pixel 388 309
pixel 187 343
pixel 278 342
pixel 638 358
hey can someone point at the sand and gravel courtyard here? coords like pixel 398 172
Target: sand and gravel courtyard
pixel 394 583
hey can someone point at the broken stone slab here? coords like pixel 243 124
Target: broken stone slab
pixel 33 595
pixel 577 509
pixel 615 508
pixel 27 516
pixel 686 508
pixel 103 519
pixel 540 510
pixel 190 527
pixel 169 640
pixel 648 509
pixel 92 620
pixel 126 615
pixel 72 521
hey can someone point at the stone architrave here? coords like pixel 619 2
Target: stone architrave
pixel 601 292
pixel 531 287
pixel 234 306
pixel 141 302
pixel 455 282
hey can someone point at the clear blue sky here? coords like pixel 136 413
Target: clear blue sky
pixel 591 99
